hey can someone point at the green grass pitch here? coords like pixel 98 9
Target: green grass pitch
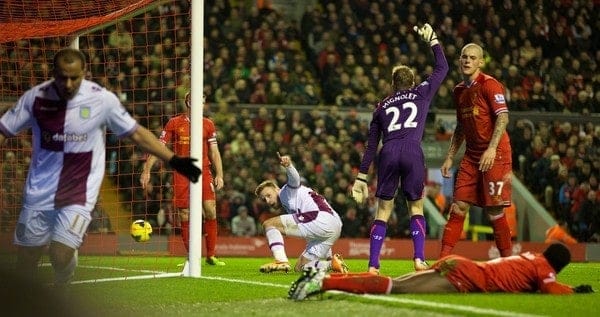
pixel 130 286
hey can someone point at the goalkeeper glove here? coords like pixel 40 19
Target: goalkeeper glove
pixel 583 288
pixel 427 34
pixel 360 190
pixel 186 167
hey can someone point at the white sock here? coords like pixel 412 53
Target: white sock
pixel 276 244
pixel 318 264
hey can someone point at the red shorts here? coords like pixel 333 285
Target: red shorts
pixel 484 189
pixel 181 189
pixel 463 273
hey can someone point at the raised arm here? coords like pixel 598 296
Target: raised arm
pixel 293 177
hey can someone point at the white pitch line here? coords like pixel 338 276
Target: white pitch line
pixel 422 303
pixel 463 308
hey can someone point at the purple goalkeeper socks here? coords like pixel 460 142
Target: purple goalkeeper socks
pixel 417 232
pixel 378 231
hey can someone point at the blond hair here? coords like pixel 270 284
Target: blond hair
pixel 263 185
pixel 402 78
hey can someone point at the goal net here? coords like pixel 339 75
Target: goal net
pixel 140 51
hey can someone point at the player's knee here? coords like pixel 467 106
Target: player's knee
pixel 459 208
pixel 494 211
pixel 60 255
pixel 210 212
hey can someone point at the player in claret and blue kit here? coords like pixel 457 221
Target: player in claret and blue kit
pixel 68 116
pixel 399 122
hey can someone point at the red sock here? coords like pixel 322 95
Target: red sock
pixel 452 232
pixel 185 234
pixel 360 284
pixel 210 227
pixel 502 235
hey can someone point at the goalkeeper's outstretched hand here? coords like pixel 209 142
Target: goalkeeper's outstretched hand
pixel 583 288
pixel 427 34
pixel 186 167
pixel 360 190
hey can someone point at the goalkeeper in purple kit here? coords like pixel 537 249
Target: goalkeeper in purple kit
pixel 399 122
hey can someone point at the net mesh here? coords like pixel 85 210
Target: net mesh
pixel 137 49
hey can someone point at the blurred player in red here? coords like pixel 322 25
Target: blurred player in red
pixel 484 173
pixel 525 273
pixel 177 132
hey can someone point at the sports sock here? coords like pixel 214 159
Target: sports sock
pixel 418 230
pixel 378 231
pixel 502 234
pixel 452 232
pixel 276 244
pixel 63 276
pixel 210 227
pixel 360 284
pixel 318 264
pixel 185 234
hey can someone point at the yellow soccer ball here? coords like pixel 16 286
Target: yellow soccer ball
pixel 141 230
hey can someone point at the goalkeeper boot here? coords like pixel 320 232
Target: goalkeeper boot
pixel 275 266
pixel 421 265
pixel 309 284
pixel 213 260
pixel 338 265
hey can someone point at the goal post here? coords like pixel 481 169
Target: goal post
pixel 140 50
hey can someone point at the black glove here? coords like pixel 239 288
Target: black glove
pixel 583 288
pixel 186 167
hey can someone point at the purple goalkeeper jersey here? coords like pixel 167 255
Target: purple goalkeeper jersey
pixel 399 122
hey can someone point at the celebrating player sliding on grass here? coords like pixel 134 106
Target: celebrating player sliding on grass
pixel 309 216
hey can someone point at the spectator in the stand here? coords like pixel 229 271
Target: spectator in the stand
pixel 587 216
pixel 100 220
pixel 433 192
pixel 583 104
pixel 443 99
pixel 243 225
pixel 565 198
pixel 275 96
pixel 551 179
pixel 259 95
pixel 120 38
pixel 352 225
pixel 537 99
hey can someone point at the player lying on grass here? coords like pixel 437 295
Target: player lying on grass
pixel 525 273
pixel 308 216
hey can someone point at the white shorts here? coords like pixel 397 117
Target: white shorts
pixel 66 225
pixel 320 234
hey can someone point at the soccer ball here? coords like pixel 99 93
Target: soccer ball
pixel 141 230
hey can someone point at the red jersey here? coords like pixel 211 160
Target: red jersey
pixel 527 272
pixel 177 132
pixel 477 107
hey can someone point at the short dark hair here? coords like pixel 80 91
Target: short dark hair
pixel 558 256
pixel 69 55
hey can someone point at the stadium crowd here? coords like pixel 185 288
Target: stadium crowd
pixel 337 58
